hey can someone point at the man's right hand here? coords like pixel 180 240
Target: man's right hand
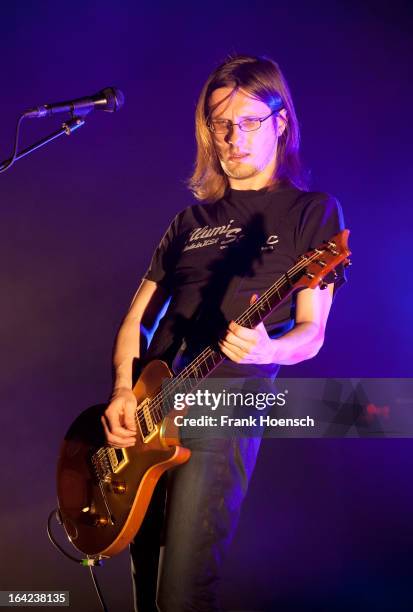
pixel 119 418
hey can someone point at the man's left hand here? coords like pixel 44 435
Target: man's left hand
pixel 244 345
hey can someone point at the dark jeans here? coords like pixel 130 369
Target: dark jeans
pixel 204 498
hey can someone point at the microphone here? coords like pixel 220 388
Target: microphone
pixel 109 100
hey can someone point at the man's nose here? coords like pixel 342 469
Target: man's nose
pixel 235 135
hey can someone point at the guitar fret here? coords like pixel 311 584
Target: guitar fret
pixel 166 402
pixel 186 385
pixel 218 355
pixel 209 364
pixel 158 414
pixel 248 320
pixel 201 370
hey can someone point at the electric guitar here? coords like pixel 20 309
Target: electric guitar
pixel 104 492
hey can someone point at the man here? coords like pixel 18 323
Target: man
pixel 255 219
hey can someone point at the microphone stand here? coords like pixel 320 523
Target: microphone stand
pixel 67 128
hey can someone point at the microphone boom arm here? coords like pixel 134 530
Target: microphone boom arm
pixel 67 128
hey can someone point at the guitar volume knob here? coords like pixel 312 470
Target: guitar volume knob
pixel 118 487
pixel 100 521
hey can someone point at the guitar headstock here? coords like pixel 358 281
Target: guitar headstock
pixel 321 261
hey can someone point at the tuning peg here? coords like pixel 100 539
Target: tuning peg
pixel 323 285
pixel 332 247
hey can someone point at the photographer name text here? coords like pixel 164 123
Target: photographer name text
pixel 250 421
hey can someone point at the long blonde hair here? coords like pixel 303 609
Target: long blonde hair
pixel 260 78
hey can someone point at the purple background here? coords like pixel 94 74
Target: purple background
pixel 327 523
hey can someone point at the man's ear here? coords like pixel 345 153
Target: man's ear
pixel 282 120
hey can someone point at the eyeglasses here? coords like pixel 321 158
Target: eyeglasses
pixel 221 126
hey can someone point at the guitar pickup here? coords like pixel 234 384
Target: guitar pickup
pixel 118 458
pixel 145 421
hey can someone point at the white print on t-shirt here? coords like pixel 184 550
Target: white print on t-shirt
pixel 207 235
pixel 269 245
pixel 208 231
pixel 222 235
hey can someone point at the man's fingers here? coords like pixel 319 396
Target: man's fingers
pixel 129 421
pixel 115 419
pixel 121 414
pixel 129 413
pixel 228 353
pixel 118 430
pixel 242 332
pixel 119 440
pixel 232 352
pixel 238 342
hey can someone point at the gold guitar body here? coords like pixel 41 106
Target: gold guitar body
pixel 104 492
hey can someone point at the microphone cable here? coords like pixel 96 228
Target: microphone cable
pixel 12 159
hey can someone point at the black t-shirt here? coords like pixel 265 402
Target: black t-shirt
pixel 213 257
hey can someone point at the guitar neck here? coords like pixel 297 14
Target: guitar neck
pixel 210 358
